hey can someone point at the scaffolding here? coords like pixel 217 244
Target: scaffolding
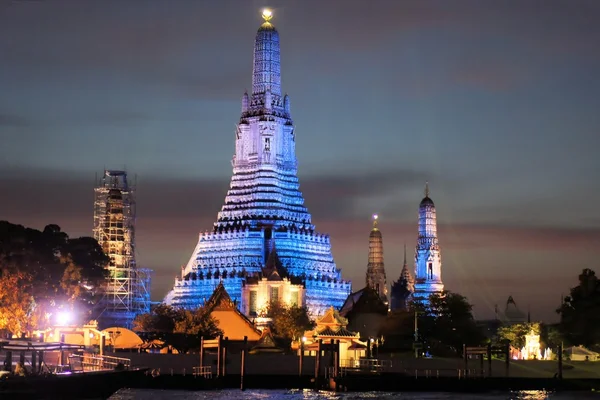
pixel 126 292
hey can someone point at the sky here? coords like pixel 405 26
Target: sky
pixel 494 103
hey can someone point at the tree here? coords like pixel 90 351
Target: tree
pixel 515 333
pixel 178 327
pixel 161 318
pixel 447 321
pixel 53 272
pixel 288 322
pixel 197 322
pixel 580 312
pixel 17 306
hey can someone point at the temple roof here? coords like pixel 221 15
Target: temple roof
pixel 366 300
pixel 340 332
pixel 221 301
pixel 266 344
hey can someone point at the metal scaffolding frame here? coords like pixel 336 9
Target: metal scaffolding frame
pixel 127 289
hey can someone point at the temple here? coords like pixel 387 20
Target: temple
pixel 264 207
pixel 402 289
pixel 375 277
pixel 428 261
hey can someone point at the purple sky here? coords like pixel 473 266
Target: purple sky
pixel 495 103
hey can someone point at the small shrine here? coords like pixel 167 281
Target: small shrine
pixel 332 326
pixel 266 344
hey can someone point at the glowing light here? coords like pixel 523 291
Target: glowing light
pixel 303 339
pixel 267 14
pixel 375 216
pixel 63 318
pixel 91 335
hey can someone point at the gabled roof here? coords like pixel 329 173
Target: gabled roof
pixel 221 301
pixel 331 318
pixel 266 344
pixel 342 332
pixel 366 300
pixel 274 269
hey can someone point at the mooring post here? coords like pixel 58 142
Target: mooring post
pixel 507 355
pixel 489 357
pixel 219 355
pixel 243 369
pixel 336 365
pixel 465 357
pixel 33 361
pixel 301 358
pixel 201 353
pixel 318 363
pixel 40 362
pixel 560 361
pixel 225 356
pixel 481 356
pixel 8 361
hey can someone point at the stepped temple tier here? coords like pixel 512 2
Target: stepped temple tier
pixel 428 261
pixel 264 208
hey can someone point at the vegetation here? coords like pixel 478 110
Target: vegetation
pixel 580 312
pixel 288 322
pixel 42 272
pixel 447 323
pixel 515 333
pixel 177 327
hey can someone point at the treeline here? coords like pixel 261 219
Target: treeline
pixel 45 272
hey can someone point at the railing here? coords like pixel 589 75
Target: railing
pixel 364 364
pixel 204 371
pixel 449 372
pixel 90 362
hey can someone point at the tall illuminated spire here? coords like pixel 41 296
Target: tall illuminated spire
pixel 375 277
pixel 428 260
pixel 266 76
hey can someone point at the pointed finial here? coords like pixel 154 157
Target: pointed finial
pixel 267 14
pixel 426 188
pixel 405 253
pixel 375 218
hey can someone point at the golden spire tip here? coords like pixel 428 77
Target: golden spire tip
pixel 426 188
pixel 267 14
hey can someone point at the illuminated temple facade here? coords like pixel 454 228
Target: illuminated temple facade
pixel 428 261
pixel 264 207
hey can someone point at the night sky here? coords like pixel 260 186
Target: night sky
pixel 495 103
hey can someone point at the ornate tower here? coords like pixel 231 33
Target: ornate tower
pixel 428 261
pixel 375 277
pixel 403 288
pixel 264 207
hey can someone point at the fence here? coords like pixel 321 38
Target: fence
pixel 204 371
pixel 90 362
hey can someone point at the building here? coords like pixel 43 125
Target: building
pixel 264 207
pixel 331 326
pixel 375 277
pixel 273 284
pixel 127 289
pixel 230 320
pixel 366 313
pixel 402 289
pixel 428 261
